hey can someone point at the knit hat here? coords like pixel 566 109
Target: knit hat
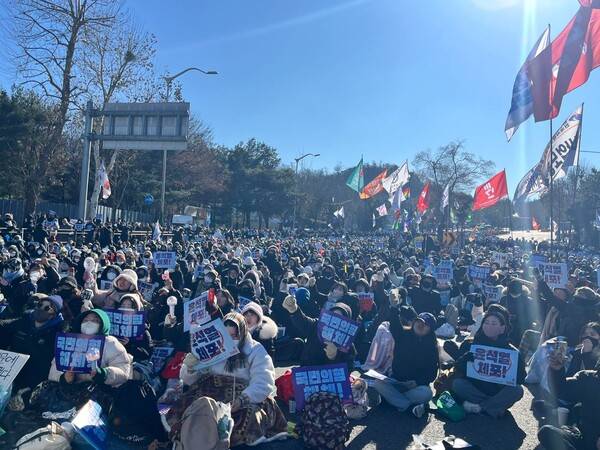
pixel 255 308
pixel 68 281
pixel 428 319
pixel 303 275
pixel 302 296
pixel 343 309
pixel 307 270
pixel 248 261
pixel 128 275
pixel 499 312
pixel 586 294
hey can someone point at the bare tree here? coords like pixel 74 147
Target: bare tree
pixel 47 35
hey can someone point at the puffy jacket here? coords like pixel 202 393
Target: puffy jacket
pixel 258 372
pixel 115 358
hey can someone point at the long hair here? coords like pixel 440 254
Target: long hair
pixel 241 359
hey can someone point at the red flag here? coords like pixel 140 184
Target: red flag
pixel 535 225
pixel 374 187
pixel 490 192
pixel 423 203
pixel 566 64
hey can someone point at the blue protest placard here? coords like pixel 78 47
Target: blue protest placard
pixel 337 329
pixel 493 364
pixel 126 324
pixel 91 425
pixel 70 350
pixel 194 311
pixel 312 379
pixel 479 273
pixel 211 343
pixel 536 260
pixel 443 272
pixel 164 260
pixel 159 357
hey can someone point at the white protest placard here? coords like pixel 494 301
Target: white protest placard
pixel 10 365
pixel 211 344
pixel 194 311
pixel 500 258
pixel 146 289
pixel 164 260
pixel 443 272
pixel 91 425
pixel 492 293
pixel 493 364
pixel 555 274
pixel 479 273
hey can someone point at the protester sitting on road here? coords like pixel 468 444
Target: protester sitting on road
pixel 482 396
pixel 124 283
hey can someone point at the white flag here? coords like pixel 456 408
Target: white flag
pixel 103 181
pixel 339 213
pixel 382 210
pixel 397 179
pixel 156 233
pixel 446 195
pixel 374 221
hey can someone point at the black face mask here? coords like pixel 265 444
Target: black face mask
pixel 594 341
pixel 427 286
pixel 65 293
pixel 41 315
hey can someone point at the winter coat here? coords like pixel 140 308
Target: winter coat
pixel 523 312
pixel 22 336
pixel 107 299
pixel 424 301
pixel 17 294
pixel 415 357
pixel 259 372
pixel 115 358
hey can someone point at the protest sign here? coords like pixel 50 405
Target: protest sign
pixel 159 357
pixel 243 301
pixel 312 379
pixel 555 274
pixel 492 293
pixel 337 329
pixel 500 258
pixel 443 272
pixel 194 311
pixel 536 260
pixel 479 273
pixel 106 285
pixel 91 425
pixel 10 365
pixel 366 301
pixel 493 364
pixel 70 350
pixel 146 289
pixel 211 343
pixel 126 324
pixel 164 260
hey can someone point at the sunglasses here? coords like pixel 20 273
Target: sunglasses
pixel 44 306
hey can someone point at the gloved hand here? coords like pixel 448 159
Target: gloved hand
pixel 290 304
pixel 100 375
pixel 331 350
pixel 170 320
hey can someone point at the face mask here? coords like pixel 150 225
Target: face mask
pixel 41 315
pixel 126 309
pixel 90 328
pixel 594 341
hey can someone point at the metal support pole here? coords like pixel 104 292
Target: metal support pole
pixel 550 171
pixel 85 161
pixel 295 195
pixel 163 187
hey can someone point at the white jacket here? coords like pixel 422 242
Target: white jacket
pixel 115 359
pixel 259 372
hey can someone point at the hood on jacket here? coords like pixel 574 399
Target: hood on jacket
pixel 346 310
pixel 267 329
pixel 104 329
pixel 524 291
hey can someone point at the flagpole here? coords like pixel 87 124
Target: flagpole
pixel 576 171
pixel 551 193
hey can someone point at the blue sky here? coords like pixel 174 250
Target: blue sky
pixel 383 78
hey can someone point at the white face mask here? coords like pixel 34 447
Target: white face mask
pixel 90 328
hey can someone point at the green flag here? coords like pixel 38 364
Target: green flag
pixel 356 180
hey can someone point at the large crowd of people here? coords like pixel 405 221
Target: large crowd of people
pixel 419 330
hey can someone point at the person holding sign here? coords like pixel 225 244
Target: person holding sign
pixel 114 368
pixel 414 366
pixel 125 283
pixel 246 380
pixel 480 396
pixel 140 348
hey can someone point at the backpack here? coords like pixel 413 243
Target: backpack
pixel 323 423
pixel 50 437
pixel 205 425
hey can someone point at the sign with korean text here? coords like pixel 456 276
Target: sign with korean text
pixel 366 301
pixel 106 285
pixel 10 365
pixel 194 311
pixel 165 260
pixel 493 364
pixel 536 260
pixel 555 274
pixel 337 329
pixel 500 258
pixel 211 343
pixel 492 293
pixel 159 357
pixel 479 273
pixel 70 350
pixel 146 289
pixel 126 324
pixel 312 379
pixel 443 272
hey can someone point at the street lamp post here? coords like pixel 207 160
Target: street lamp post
pixel 300 158
pixel 169 81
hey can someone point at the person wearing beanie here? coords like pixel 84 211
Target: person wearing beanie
pixel 262 328
pixel 115 366
pixel 315 352
pixel 523 310
pixel 124 283
pixel 483 396
pixel 415 364
pixel 251 374
pixel 33 334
